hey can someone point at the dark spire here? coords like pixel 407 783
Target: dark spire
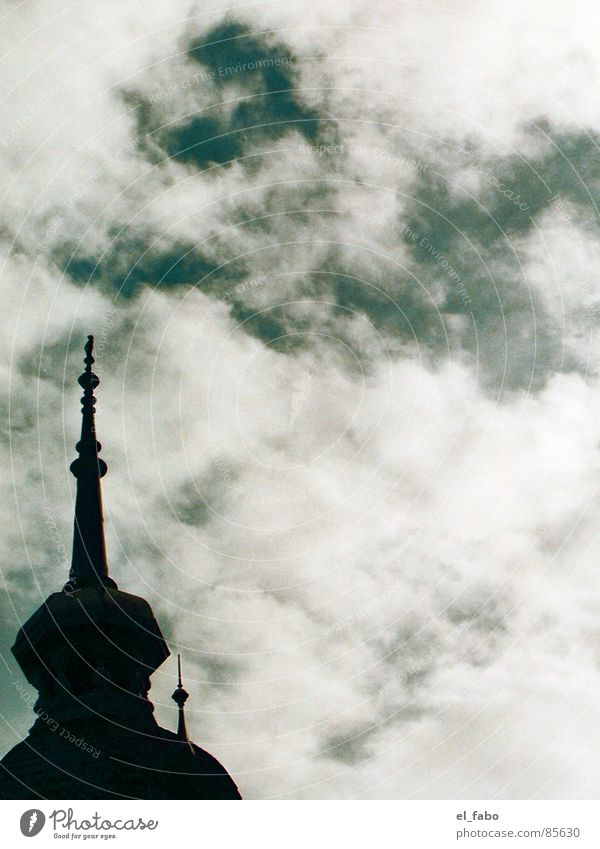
pixel 180 697
pixel 88 566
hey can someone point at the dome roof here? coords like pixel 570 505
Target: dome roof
pixel 96 760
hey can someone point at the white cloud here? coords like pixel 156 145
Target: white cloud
pixel 380 576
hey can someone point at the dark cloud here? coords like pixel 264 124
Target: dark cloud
pixel 468 248
pixel 133 260
pixel 232 58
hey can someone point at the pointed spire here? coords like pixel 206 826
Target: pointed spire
pixel 88 566
pixel 180 697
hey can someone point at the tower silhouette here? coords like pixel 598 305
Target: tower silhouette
pixel 89 651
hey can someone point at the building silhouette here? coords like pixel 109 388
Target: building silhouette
pixel 89 651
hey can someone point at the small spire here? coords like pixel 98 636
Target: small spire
pixel 180 697
pixel 89 566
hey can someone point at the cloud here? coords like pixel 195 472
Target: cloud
pixel 344 308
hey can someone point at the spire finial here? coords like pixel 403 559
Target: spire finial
pixel 180 697
pixel 88 348
pixel 88 565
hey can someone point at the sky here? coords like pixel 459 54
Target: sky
pixel 341 264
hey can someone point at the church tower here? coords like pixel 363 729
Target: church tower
pixel 90 651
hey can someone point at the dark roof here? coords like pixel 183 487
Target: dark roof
pixel 121 764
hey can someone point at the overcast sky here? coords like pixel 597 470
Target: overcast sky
pixel 341 263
